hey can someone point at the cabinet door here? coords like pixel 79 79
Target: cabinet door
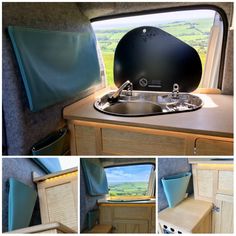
pixel 130 226
pixel 204 146
pixel 223 221
pixel 106 215
pixel 124 142
pixel 86 140
pixel 204 183
pixel 225 181
pixel 58 201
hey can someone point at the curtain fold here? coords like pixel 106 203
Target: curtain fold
pixel 95 176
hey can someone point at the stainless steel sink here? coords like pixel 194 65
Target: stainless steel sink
pixel 142 103
pixel 133 108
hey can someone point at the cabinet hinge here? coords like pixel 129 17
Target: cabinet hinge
pixel 215 208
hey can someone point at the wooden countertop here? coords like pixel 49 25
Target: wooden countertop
pixel 214 118
pixel 212 161
pixel 186 215
pixel 127 201
pixel 128 204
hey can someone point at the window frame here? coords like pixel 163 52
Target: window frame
pixel 219 10
pixel 152 172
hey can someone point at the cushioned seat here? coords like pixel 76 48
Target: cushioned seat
pixel 22 199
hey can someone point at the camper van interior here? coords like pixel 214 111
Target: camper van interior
pixel 121 93
pixel 87 78
pixel 118 195
pixel 202 203
pixel 39 195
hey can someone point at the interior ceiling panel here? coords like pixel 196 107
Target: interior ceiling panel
pixel 125 161
pixel 101 9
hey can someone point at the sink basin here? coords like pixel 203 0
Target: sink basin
pixel 133 108
pixel 142 103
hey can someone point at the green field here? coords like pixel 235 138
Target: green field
pixel 193 32
pixel 128 189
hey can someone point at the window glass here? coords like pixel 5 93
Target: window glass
pixel 68 162
pixel 191 26
pixel 129 180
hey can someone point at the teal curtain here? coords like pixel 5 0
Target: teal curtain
pixel 55 66
pixel 95 176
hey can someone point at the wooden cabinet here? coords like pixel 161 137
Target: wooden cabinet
pixel 94 138
pixel 189 216
pixel 58 198
pixel 204 184
pixel 223 220
pixel 129 218
pixel 130 226
pixel 214 183
pixel 206 146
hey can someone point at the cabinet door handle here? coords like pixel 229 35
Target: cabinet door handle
pixel 215 208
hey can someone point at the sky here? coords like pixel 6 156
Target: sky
pixel 153 18
pixel 132 173
pixel 68 162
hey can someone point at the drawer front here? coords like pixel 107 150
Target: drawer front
pixel 205 146
pixel 130 226
pixel 225 182
pixel 133 143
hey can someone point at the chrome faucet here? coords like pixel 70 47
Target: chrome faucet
pixel 117 93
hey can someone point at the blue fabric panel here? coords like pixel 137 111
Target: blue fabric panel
pixel 20 169
pixel 87 202
pixel 55 66
pixel 22 199
pixel 167 167
pixel 23 127
pixel 49 165
pixel 175 187
pixel 95 176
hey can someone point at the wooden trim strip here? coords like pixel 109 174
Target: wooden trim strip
pixel 43 227
pixel 63 172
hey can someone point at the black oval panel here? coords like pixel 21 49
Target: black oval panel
pixel 154 60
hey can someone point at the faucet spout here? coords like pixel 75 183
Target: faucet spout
pixel 117 93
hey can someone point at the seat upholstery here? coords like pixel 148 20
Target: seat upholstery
pixel 20 169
